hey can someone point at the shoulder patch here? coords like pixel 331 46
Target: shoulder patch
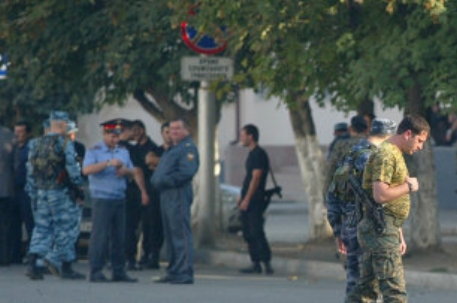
pixel 190 156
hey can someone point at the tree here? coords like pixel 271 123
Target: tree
pixel 348 51
pixel 80 55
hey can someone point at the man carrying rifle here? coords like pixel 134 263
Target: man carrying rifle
pixel 342 198
pixel 252 202
pixel 49 157
pixel 387 180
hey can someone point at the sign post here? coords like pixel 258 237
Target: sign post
pixel 205 69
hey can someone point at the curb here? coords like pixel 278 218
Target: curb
pixel 321 269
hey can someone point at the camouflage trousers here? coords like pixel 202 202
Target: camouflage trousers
pixel 381 265
pixel 53 234
pixel 353 255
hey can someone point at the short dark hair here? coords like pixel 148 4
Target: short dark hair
pixel 251 129
pixel 139 124
pixel 359 124
pixel 184 121
pixel 28 128
pixel 417 124
pixel 164 125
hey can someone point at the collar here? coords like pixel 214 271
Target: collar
pixel 106 148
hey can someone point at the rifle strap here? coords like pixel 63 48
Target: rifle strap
pixel 273 177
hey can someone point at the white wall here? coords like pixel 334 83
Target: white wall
pixel 272 119
pixel 270 116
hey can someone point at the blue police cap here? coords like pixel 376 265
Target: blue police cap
pixel 341 127
pixel 115 126
pixel 59 115
pixel 383 127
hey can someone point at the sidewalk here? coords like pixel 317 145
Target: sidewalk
pixel 287 228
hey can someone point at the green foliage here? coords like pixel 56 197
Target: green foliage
pixel 68 54
pixel 345 50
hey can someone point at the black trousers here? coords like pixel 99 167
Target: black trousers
pixel 21 212
pixel 152 225
pixel 252 222
pixel 108 228
pixel 133 210
pixel 5 215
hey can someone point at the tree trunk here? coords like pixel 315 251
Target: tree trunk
pixel 311 164
pixel 425 229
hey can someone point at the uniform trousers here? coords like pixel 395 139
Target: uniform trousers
pixel 108 228
pixel 53 226
pixel 353 256
pixel 381 264
pixel 175 206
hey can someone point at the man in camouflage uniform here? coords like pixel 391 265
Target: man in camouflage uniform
pixel 340 132
pixel 357 131
pixel 342 206
pixel 387 180
pixel 49 157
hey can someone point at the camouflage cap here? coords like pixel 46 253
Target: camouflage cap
pixel 59 115
pixel 71 127
pixel 383 127
pixel 341 127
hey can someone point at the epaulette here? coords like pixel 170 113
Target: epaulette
pixel 96 147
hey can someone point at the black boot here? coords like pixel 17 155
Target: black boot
pixel 268 269
pixel 32 271
pixel 154 262
pixel 253 269
pixel 69 273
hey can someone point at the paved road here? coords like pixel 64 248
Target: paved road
pixel 213 284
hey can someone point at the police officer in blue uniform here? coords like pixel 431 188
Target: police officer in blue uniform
pixel 51 157
pixel 108 166
pixel 173 179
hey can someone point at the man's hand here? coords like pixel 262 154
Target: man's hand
pixel 243 204
pixel 340 246
pixel 116 163
pixel 151 160
pixel 413 183
pixel 402 241
pixel 123 171
pixel 144 198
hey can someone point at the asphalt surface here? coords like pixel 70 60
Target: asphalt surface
pixel 213 283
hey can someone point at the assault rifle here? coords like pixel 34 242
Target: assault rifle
pixel 374 210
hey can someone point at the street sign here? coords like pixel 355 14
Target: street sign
pixel 3 67
pixel 206 68
pixel 202 44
